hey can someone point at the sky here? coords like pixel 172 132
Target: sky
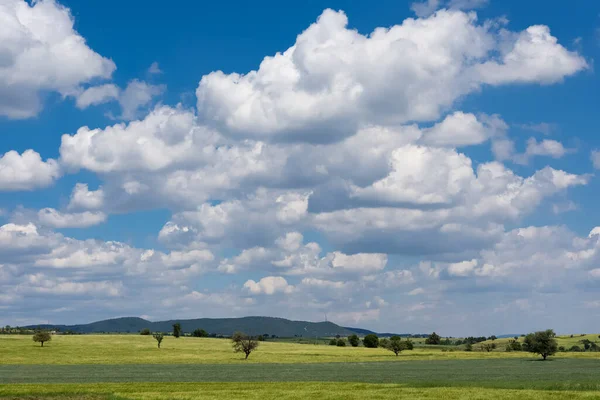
pixel 391 165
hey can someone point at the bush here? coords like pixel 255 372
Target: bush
pixel 341 343
pixel 200 333
pixel 145 332
pixel 434 338
pixel 562 348
pixel 468 347
pixel 333 342
pixel 371 341
pixel 575 349
pixel 353 340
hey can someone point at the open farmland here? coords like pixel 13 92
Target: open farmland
pixel 132 367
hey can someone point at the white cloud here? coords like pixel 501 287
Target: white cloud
pixel 546 147
pixel 154 69
pixel 334 81
pixel 595 156
pixel 136 95
pixel 56 219
pixel 26 171
pixel 84 199
pixel 269 285
pixel 462 268
pixel 425 8
pixel 39 52
pixel 534 56
pixel 97 95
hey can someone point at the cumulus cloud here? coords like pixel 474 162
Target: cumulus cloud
pixel 41 52
pixel 334 80
pixel 269 286
pixel 97 95
pixel 56 219
pixel 26 171
pixel 84 199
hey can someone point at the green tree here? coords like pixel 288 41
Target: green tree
pixel 333 342
pixel 395 345
pixel 176 329
pixel 371 341
pixel 159 336
pixel 542 343
pixel 145 332
pixel 353 340
pixel 468 346
pixel 41 336
pixel 243 343
pixel 341 343
pixel 434 338
pixel 200 333
pixel 409 344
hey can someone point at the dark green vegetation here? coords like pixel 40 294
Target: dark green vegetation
pixel 543 343
pixel 42 337
pixel 217 326
pixel 557 374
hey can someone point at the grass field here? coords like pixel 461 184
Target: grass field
pixel 132 367
pixel 136 349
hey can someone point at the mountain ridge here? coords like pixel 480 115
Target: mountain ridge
pixel 254 325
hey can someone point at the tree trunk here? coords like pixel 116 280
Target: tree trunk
pixel 544 355
pixel 247 354
pixel 42 344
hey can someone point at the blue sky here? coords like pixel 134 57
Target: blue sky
pixel 391 164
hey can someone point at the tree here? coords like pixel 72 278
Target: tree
pixel 492 338
pixel 145 332
pixel 353 340
pixel 487 347
pixel 200 333
pixel 341 343
pixel 41 337
pixel 333 342
pixel 468 346
pixel 434 338
pixel 371 341
pixel 395 345
pixel 542 343
pixel 176 329
pixel 243 343
pixel 159 336
pixel 409 344
pixel 514 345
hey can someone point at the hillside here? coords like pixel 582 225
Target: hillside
pixel 221 326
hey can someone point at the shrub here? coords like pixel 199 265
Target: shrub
pixel 434 338
pixel 371 341
pixel 575 349
pixel 200 333
pixel 468 347
pixel 341 343
pixel 333 342
pixel 145 332
pixel 353 340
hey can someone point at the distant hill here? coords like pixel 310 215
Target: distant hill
pixel 220 326
pixel 363 332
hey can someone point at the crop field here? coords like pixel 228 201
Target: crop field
pixel 132 367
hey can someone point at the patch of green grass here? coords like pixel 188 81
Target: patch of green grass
pixel 137 349
pixel 269 391
pixel 559 374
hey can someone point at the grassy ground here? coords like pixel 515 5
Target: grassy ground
pixel 559 374
pixel 137 349
pixel 567 341
pixel 268 391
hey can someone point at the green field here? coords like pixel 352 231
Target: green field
pixel 132 367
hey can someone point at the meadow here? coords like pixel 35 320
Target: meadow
pixel 132 367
